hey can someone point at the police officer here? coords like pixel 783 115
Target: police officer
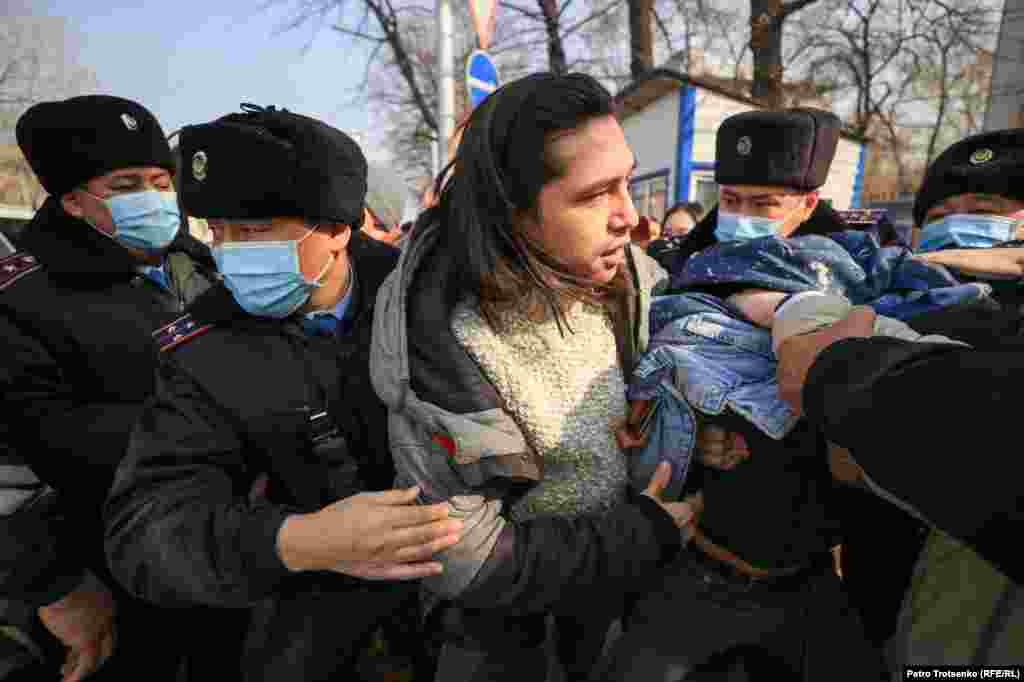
pixel 969 217
pixel 769 166
pixel 909 412
pixel 760 576
pixel 103 263
pixel 971 200
pixel 242 484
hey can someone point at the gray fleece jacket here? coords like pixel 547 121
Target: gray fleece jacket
pixel 450 434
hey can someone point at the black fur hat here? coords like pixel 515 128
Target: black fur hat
pixel 792 148
pixel 267 162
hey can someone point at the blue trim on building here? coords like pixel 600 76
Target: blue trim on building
pixel 858 180
pixel 702 166
pixel 684 149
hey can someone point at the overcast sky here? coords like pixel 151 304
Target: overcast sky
pixel 191 61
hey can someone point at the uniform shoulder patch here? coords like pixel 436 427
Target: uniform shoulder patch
pixel 14 267
pixel 178 332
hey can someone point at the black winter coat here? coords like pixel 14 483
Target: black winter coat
pixel 76 365
pixel 234 402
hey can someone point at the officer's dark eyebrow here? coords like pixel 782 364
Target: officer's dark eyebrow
pixel 595 187
pixel 753 197
pixel 135 178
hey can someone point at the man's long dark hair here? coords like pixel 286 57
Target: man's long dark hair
pixel 502 162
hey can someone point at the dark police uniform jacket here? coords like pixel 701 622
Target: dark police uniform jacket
pixel 76 364
pixel 239 396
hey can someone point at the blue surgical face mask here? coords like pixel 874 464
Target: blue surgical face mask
pixel 147 220
pixel 266 277
pixel 734 227
pixel 966 231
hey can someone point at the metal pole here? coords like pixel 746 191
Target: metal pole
pixel 446 79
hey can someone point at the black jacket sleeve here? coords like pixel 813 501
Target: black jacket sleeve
pixel 180 527
pixel 559 563
pixel 935 425
pixel 69 444
pixel 38 564
pixel 66 440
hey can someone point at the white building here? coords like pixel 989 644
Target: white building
pixel 1006 97
pixel 671 122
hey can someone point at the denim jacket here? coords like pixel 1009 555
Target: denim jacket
pixel 704 355
pixel 850 264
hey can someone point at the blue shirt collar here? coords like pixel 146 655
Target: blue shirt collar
pixel 156 273
pixel 336 322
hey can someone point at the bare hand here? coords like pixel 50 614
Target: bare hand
pixel 380 530
pixel 797 354
pixel 718 448
pixel 682 512
pixel 758 305
pixel 628 434
pixel 696 502
pixel 83 621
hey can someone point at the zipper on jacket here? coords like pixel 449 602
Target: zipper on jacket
pixel 637 299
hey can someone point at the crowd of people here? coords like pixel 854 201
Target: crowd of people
pixel 532 436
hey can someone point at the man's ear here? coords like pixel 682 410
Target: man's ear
pixel 71 204
pixel 811 202
pixel 341 234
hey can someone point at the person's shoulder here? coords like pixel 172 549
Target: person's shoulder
pixel 366 248
pixel 649 271
pixel 373 260
pixel 214 309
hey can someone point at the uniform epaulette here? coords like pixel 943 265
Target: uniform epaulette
pixel 862 216
pixel 13 268
pixel 178 332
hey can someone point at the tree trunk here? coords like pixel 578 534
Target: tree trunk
pixel 389 26
pixel 641 37
pixel 940 114
pixel 556 51
pixel 766 20
pixel 766 45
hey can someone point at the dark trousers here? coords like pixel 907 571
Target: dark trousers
pixel 698 619
pixel 881 543
pixel 487 646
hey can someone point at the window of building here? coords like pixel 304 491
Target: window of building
pixel 705 190
pixel 650 193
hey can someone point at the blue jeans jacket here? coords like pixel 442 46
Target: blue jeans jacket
pixel 701 345
pixel 703 355
pixel 850 264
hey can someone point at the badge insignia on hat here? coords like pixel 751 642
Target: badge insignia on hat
pixel 981 156
pixel 129 122
pixel 743 146
pixel 199 166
